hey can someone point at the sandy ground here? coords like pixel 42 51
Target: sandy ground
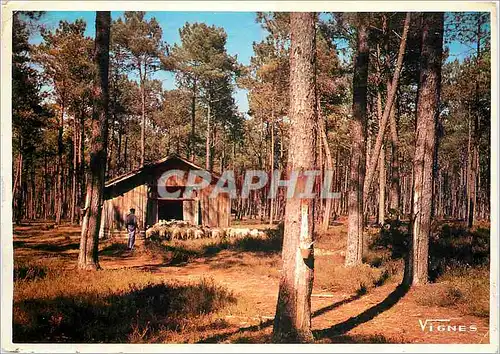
pixel 385 313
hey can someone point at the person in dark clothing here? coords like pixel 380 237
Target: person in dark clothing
pixel 131 224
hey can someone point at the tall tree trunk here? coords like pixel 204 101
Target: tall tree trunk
pixel 32 193
pixel 126 156
pixel 329 165
pixel 88 255
pixel 143 119
pixel 47 187
pixel 59 180
pixel 381 168
pixel 394 187
pixel 381 186
pixel 119 152
pixel 17 193
pixel 292 322
pixel 427 115
pixel 109 162
pixel 213 143
pixel 435 171
pixel 473 174
pixel 391 95
pixel 357 125
pixel 82 165
pixel 74 172
pixel 208 146
pixel 271 153
pixel 193 122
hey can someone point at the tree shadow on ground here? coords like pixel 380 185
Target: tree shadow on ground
pixel 52 247
pixel 336 333
pixel 58 247
pixel 255 328
pixel 116 249
pixel 367 315
pixel 119 318
pixel 19 244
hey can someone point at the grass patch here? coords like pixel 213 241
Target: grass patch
pixel 455 247
pixel 334 238
pixel 111 306
pixel 176 252
pixel 29 271
pixel 466 288
pixel 358 339
pixel 335 277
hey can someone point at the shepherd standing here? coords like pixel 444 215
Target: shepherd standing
pixel 131 224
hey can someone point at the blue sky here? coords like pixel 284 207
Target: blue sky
pixel 241 29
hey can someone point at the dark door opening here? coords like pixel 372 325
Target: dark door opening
pixel 170 210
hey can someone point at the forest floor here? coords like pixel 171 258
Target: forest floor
pixel 208 291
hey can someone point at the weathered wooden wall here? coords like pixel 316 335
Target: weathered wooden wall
pixel 140 191
pixel 119 199
pixel 215 212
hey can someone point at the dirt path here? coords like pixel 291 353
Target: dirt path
pixel 385 314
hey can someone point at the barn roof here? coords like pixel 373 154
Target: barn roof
pixel 152 165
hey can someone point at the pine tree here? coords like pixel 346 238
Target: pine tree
pixel 203 66
pixel 89 242
pixel 416 271
pixel 141 43
pixel 354 252
pixel 293 311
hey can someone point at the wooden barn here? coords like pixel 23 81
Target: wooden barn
pixel 138 189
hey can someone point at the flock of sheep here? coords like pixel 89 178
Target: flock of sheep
pixel 183 230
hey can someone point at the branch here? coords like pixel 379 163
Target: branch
pixel 387 109
pixel 397 34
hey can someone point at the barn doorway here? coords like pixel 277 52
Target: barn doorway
pixel 170 210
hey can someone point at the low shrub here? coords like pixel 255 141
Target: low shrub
pixel 455 247
pixel 336 277
pixel 465 288
pixel 29 271
pixel 111 307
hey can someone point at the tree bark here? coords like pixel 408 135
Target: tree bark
pixel 143 117
pixel 126 156
pixel 357 124
pixel 74 171
pixel 271 153
pixel 46 189
pixel 109 159
pixel 381 168
pixel 391 95
pixel 381 197
pixel 17 191
pixel 292 322
pixel 59 180
pixel 17 178
pixel 88 255
pixel 82 163
pixel 473 174
pixel 394 186
pixel 427 115
pixel 207 142
pixel 193 122
pixel 329 165
pixel 119 151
